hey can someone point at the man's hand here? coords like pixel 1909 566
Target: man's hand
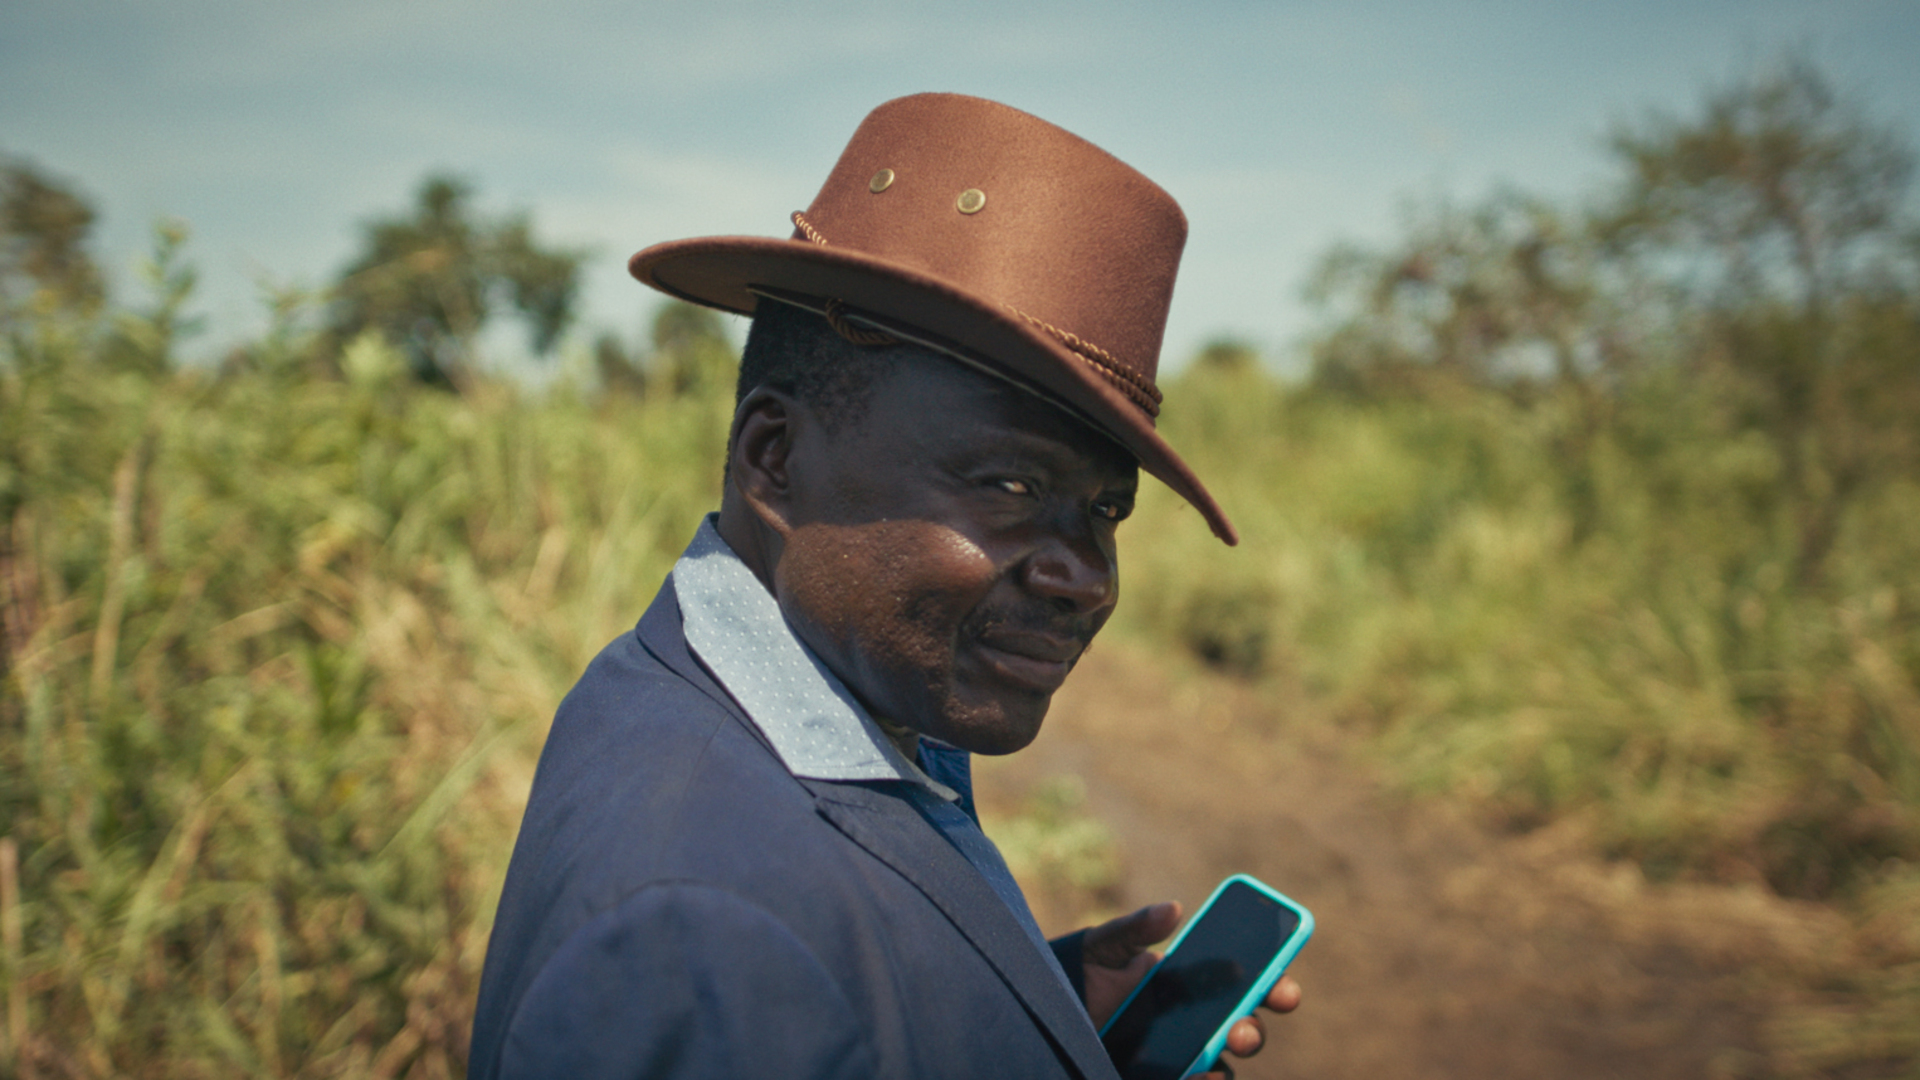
pixel 1116 957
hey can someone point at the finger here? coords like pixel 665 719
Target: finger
pixel 1107 987
pixel 1116 942
pixel 1247 1036
pixel 1285 995
pixel 1153 923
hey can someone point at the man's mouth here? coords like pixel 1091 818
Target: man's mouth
pixel 1031 659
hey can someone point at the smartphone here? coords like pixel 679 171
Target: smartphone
pixel 1216 971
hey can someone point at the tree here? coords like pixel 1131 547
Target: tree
pixel 1759 253
pixel 52 292
pixel 1777 190
pixel 686 352
pixel 430 280
pixel 44 225
pixel 691 351
pixel 1776 222
pixel 1502 295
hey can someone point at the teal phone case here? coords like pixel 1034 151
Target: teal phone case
pixel 1278 966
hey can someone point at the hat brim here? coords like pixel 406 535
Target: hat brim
pixel 733 272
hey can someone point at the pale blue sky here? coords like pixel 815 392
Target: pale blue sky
pixel 1282 127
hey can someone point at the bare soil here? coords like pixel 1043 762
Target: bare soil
pixel 1444 948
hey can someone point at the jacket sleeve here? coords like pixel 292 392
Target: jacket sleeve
pixel 684 980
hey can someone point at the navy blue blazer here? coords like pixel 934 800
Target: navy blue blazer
pixel 679 904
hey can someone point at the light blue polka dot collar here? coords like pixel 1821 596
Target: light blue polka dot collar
pixel 816 726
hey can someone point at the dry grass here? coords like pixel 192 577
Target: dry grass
pixel 279 654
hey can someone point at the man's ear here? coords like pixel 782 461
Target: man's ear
pixel 759 456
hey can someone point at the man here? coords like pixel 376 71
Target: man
pixel 750 849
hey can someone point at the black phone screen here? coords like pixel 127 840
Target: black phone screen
pixel 1196 987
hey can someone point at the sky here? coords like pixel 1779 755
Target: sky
pixel 277 130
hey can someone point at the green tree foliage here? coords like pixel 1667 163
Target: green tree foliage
pixel 1777 189
pixel 146 340
pixel 429 281
pixel 691 352
pixel 43 233
pixel 1501 295
pixel 52 293
pixel 687 352
pixel 1758 258
pixel 1509 297
pixel 1779 225
pixel 1718 374
pixel 621 372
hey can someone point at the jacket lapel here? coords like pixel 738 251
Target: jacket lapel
pixel 660 633
pixel 893 832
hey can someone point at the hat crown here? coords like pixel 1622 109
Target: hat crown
pixel 1015 210
pixel 990 236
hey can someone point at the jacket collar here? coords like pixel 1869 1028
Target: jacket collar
pixel 885 824
pixel 819 730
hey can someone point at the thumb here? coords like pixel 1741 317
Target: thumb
pixel 1114 944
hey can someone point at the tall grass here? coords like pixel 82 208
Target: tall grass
pixel 1615 642
pixel 1417 564
pixel 280 653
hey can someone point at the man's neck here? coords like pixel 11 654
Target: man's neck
pixel 756 545
pixel 905 739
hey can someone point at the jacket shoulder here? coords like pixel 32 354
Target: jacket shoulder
pixel 683 978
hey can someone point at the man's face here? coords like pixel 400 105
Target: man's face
pixel 952 551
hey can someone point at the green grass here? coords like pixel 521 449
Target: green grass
pixel 1615 641
pixel 279 654
pixel 279 658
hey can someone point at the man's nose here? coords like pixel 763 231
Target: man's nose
pixel 1074 573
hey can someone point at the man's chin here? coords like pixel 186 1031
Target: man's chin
pixel 995 731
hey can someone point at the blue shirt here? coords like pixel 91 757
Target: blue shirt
pixel 817 728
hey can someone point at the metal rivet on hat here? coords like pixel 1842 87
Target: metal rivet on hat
pixel 881 181
pixel 971 200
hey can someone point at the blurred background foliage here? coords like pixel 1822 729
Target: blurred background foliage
pixel 428 282
pixel 1602 514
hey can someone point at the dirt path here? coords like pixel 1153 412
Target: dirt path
pixel 1442 950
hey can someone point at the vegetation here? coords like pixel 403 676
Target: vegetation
pixel 1611 517
pixel 429 282
pixel 278 658
pixel 1603 518
pixel 690 356
pixel 1629 498
pixel 1060 854
pixel 43 230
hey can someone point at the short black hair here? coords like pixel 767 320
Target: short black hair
pixel 795 351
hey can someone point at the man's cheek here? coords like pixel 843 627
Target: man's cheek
pixel 819 574
pixel 922 601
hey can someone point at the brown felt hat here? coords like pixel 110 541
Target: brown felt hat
pixel 991 236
